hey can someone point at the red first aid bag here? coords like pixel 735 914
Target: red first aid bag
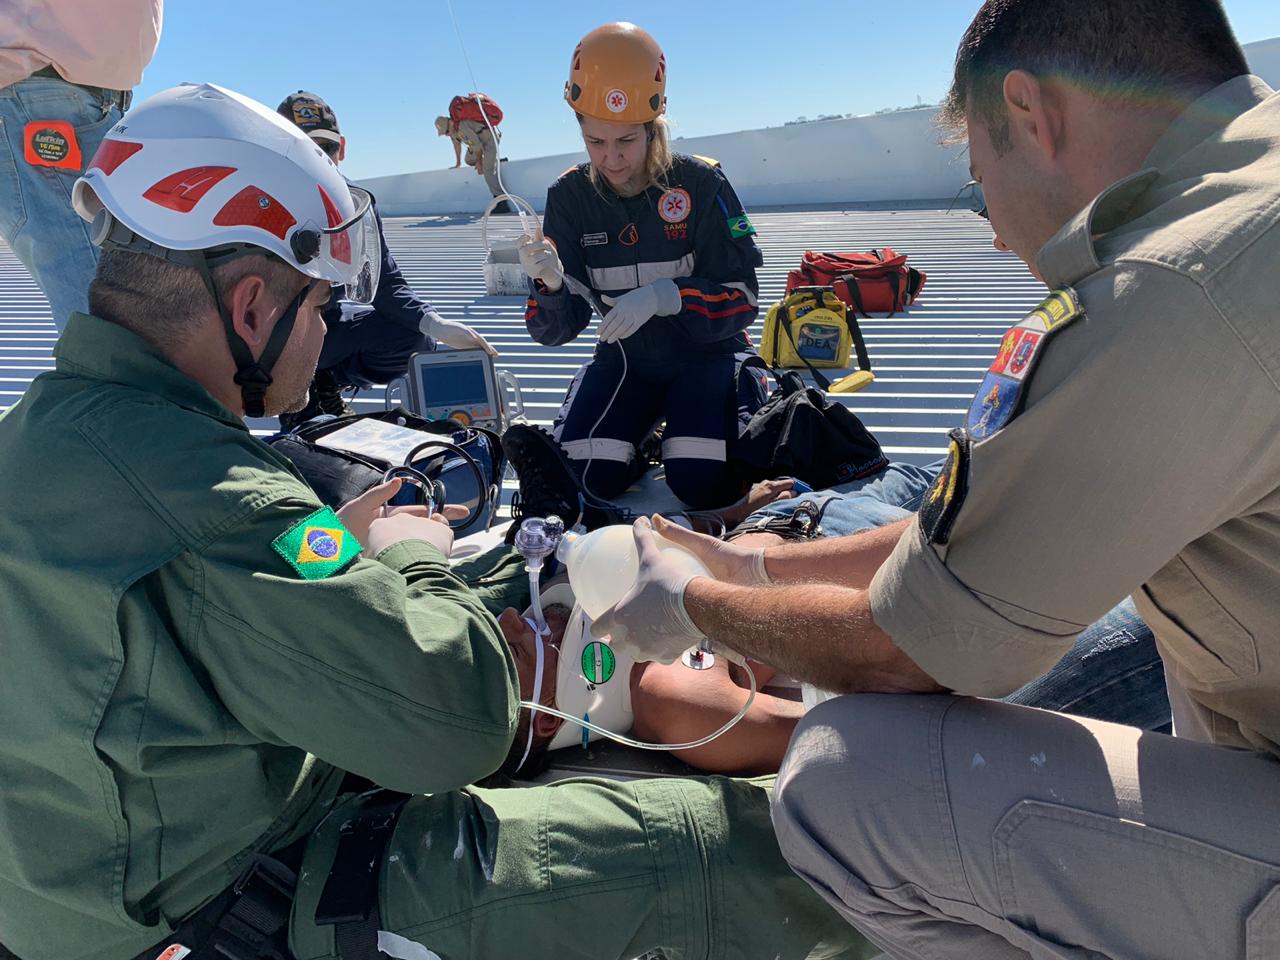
pixel 878 281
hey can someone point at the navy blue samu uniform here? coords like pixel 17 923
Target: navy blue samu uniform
pixel 693 231
pixel 372 344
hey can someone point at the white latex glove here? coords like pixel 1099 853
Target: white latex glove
pixel 540 261
pixel 650 622
pixel 452 333
pixel 388 531
pixel 635 308
pixel 726 562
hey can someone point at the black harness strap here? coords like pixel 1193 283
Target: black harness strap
pixel 249 921
pixel 350 896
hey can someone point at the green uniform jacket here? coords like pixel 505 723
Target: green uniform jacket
pixel 176 696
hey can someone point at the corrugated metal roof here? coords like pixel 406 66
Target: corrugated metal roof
pixel 928 362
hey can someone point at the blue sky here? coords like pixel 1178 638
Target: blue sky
pixel 388 67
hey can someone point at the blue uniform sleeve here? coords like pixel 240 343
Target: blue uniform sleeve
pixel 394 301
pixel 721 300
pixel 556 318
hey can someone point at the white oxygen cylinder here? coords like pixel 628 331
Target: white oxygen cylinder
pixel 603 565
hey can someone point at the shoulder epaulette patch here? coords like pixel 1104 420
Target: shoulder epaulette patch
pixel 999 399
pixel 709 161
pixel 942 501
pixel 317 546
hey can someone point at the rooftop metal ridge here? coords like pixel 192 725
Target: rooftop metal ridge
pixel 928 360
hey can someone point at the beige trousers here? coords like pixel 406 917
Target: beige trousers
pixel 948 827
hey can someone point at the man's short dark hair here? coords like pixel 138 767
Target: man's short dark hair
pixel 1143 50
pixel 161 301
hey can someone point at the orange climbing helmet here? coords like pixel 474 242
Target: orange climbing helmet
pixel 618 74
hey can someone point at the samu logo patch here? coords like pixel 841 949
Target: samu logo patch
pixel 317 546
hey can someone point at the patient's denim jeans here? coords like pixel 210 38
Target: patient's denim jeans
pixel 36 218
pixel 1112 672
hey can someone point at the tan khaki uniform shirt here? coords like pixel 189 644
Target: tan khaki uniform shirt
pixel 1139 452
pixel 474 134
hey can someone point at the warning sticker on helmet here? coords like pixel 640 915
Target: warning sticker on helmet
pixel 51 143
pixel 615 101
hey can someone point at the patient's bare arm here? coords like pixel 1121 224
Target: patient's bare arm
pixel 674 704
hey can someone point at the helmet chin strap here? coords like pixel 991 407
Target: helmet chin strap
pixel 253 377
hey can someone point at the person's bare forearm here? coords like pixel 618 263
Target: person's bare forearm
pixel 818 633
pixel 848 561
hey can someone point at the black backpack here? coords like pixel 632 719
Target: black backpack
pixel 800 433
pixel 467 461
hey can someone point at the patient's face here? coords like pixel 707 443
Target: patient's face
pixel 519 636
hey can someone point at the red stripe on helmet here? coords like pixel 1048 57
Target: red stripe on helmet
pixel 181 191
pixel 254 207
pixel 111 153
pixel 339 243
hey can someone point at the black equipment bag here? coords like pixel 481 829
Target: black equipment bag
pixel 464 464
pixel 801 433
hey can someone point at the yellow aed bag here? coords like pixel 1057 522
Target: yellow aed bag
pixel 811 327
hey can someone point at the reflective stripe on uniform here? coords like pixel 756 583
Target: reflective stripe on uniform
pixel 557 427
pixel 694 448
pixel 634 275
pixel 746 291
pixel 716 306
pixel 603 448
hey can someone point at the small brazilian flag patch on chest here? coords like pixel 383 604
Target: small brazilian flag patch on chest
pixel 740 227
pixel 317 546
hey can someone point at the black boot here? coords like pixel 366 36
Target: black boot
pixel 549 484
pixel 326 398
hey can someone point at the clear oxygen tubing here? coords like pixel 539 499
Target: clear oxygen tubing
pixel 640 744
pixel 536 539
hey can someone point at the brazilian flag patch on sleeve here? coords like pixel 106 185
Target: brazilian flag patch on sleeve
pixel 740 227
pixel 317 546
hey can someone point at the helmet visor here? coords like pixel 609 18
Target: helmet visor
pixel 347 252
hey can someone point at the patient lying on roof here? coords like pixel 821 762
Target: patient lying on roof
pixel 650 702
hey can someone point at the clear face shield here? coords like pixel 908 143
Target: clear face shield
pixel 347 252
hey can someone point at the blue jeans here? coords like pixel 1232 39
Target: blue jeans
pixel 1112 672
pixel 36 218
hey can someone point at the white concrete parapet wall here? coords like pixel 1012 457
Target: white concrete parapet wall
pixel 874 159
pixel 880 158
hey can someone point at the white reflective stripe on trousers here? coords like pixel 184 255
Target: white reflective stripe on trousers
pixel 694 448
pixel 600 448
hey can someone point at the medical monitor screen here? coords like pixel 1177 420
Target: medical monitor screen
pixel 454 383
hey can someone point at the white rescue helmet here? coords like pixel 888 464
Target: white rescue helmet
pixel 593 679
pixel 199 167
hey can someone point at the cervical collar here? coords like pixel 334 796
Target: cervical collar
pixel 593 680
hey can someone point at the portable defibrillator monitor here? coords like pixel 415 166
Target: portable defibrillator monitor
pixel 456 384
